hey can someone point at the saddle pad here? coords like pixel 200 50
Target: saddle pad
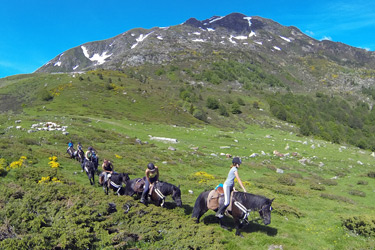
pixel 213 200
pixel 138 186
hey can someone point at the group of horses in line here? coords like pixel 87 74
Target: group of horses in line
pixel 241 205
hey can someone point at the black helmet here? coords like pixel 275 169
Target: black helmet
pixel 151 166
pixel 90 148
pixel 236 160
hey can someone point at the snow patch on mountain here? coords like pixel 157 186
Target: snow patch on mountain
pixel 286 39
pixel 100 59
pixel 140 39
pixel 248 19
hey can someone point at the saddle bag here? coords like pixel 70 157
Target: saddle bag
pixel 213 199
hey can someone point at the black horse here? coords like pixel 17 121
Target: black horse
pixel 115 182
pixel 89 168
pixel 162 189
pixel 242 204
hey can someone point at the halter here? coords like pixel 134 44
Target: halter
pixel 247 212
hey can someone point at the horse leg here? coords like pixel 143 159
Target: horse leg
pixel 238 226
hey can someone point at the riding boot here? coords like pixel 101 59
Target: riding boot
pixel 220 212
pixel 143 198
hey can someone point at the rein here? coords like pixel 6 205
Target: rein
pixel 246 212
pixel 159 193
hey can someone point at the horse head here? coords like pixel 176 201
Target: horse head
pixel 265 211
pixel 176 196
pixel 124 177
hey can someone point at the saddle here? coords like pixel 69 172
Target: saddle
pixel 139 185
pixel 216 199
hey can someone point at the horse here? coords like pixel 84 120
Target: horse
pixel 162 189
pixel 115 182
pixel 241 205
pixel 89 168
pixel 80 156
pixel 70 151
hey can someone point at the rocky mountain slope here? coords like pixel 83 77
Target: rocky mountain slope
pixel 285 52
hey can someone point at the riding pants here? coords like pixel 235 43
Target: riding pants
pixel 147 186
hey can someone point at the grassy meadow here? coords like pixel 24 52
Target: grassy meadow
pixel 321 189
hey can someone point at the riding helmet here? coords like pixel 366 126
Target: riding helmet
pixel 236 160
pixel 90 148
pixel 151 166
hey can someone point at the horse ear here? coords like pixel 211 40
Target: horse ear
pixel 272 200
pixel 178 186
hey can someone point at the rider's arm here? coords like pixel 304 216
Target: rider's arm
pixel 239 181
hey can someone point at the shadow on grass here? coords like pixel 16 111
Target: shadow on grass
pixel 246 228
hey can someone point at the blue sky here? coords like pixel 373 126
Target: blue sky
pixel 32 32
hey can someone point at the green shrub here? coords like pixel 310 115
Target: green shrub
pixel 329 182
pixel 286 180
pixel 212 103
pixel 315 186
pixel 337 197
pixel 357 193
pixel 361 225
pixel 362 182
pixel 45 95
pixel 371 174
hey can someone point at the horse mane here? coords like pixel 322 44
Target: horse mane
pixel 251 201
pixel 166 187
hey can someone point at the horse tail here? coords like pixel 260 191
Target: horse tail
pixel 200 206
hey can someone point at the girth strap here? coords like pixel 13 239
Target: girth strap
pixel 159 193
pixel 243 209
pixel 116 186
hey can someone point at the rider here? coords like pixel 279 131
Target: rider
pixel 79 149
pixel 229 184
pixel 108 169
pixel 152 176
pixel 70 145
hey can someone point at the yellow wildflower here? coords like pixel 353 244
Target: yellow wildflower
pixel 118 156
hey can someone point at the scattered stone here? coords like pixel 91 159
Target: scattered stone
pixel 138 141
pixel 280 171
pixel 273 247
pixel 18 121
pixel 321 164
pixel 191 192
pixel 171 148
pixel 253 155
pixel 213 154
pixel 224 147
pixel 164 139
pixel 360 163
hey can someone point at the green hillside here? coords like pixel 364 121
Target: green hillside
pixel 323 197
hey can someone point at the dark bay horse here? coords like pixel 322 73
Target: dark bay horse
pixel 115 182
pixel 242 204
pixel 162 189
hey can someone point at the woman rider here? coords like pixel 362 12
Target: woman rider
pixel 229 184
pixel 107 167
pixel 152 175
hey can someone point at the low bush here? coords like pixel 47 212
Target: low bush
pixel 361 225
pixel 371 174
pixel 286 180
pixel 337 197
pixel 357 193
pixel 318 187
pixel 362 182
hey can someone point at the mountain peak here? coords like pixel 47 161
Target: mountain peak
pixel 236 22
